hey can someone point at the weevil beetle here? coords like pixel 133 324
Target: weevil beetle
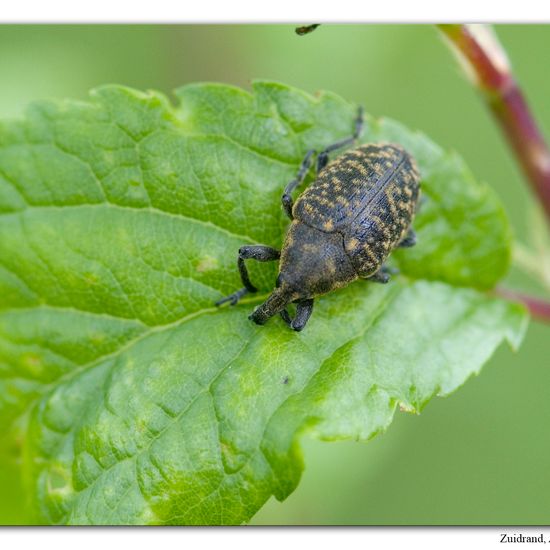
pixel 343 226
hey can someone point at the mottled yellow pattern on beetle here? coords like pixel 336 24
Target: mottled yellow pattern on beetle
pixel 369 195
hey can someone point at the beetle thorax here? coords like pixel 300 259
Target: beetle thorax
pixel 313 262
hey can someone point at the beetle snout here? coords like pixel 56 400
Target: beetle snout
pixel 276 302
pixel 289 287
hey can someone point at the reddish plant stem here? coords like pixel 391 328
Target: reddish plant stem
pixel 485 61
pixel 538 308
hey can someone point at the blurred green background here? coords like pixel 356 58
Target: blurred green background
pixel 480 456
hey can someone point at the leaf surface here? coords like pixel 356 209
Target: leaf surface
pixel 135 399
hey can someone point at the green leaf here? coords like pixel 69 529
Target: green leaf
pixel 133 398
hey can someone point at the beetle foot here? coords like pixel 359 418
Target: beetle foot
pixel 408 240
pixel 286 317
pixel 390 270
pixel 383 274
pixel 233 298
pixel 303 313
pixel 287 205
pixel 379 277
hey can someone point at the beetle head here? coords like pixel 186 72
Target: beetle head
pixel 313 262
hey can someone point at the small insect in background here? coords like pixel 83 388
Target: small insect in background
pixel 344 226
pixel 306 29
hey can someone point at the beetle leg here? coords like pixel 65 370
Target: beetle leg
pixel 286 317
pixel 322 158
pixel 233 298
pixel 408 240
pixel 382 275
pixel 303 313
pixel 286 199
pixel 257 252
pixel 379 277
